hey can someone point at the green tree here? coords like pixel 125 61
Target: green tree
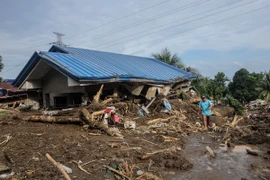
pixel 193 71
pixel 213 88
pixel 219 86
pixel 264 87
pixel 1 67
pixel 167 57
pixel 172 59
pixel 244 86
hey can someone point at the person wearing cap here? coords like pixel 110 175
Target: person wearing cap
pixel 205 107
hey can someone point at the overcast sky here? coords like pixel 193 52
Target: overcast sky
pixel 211 35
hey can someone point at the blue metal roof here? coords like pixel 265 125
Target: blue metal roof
pixel 85 65
pixel 9 80
pixel 91 64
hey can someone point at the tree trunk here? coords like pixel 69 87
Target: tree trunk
pixel 53 119
pixel 97 124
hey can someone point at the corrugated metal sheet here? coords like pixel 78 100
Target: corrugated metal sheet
pixel 85 65
pixel 89 64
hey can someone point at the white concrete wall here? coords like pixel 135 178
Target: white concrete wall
pixel 55 83
pixel 33 84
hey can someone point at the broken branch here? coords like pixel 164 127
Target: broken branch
pixel 80 167
pixel 210 151
pixel 97 96
pixel 148 155
pixel 117 172
pixel 160 120
pixel 8 138
pixel 99 125
pixel 59 167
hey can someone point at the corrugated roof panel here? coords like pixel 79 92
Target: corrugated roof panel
pixel 90 64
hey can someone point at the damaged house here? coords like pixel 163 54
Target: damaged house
pixel 67 76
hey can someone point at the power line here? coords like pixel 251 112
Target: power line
pixel 215 22
pixel 142 22
pixel 128 36
pixel 120 18
pixel 13 67
pixel 180 24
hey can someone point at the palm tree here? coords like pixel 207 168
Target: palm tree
pixel 167 57
pixel 265 87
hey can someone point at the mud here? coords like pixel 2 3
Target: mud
pixel 67 142
pixel 229 163
pixel 25 152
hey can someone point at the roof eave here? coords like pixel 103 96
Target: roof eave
pixel 26 70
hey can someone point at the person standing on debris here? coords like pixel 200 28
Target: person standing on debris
pixel 205 107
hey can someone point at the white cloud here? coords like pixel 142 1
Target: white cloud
pixel 32 32
pixel 238 64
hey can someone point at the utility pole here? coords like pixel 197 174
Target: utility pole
pixel 59 41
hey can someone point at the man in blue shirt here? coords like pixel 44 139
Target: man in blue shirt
pixel 205 107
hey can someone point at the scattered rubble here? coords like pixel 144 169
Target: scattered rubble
pixel 121 139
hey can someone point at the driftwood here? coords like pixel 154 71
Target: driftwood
pixel 96 114
pixel 80 167
pixel 169 139
pixel 236 120
pixel 8 138
pixel 98 125
pixel 117 172
pixel 106 101
pixel 160 120
pixel 148 176
pixel 97 96
pixel 148 155
pixel 53 119
pixel 59 167
pixel 210 151
pixel 252 152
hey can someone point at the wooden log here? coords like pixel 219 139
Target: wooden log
pixel 210 151
pixel 59 167
pixel 98 125
pixel 160 120
pixel 96 98
pixel 252 152
pixel 53 119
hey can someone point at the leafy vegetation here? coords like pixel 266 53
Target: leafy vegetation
pixel 243 88
pixel 172 59
pixel 264 87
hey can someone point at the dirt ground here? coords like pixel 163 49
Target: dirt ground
pixel 65 143
pixel 25 152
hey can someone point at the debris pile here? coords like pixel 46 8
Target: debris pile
pixel 122 138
